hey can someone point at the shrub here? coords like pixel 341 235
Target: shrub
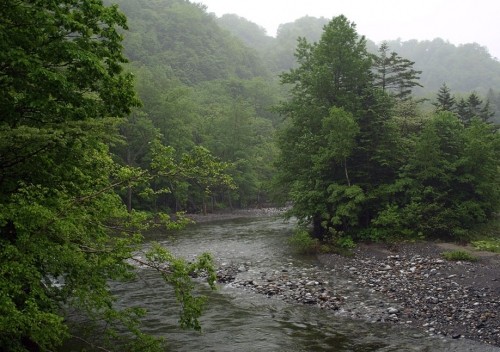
pixel 302 241
pixel 490 245
pixel 346 243
pixel 459 255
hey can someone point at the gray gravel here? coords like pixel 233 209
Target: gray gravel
pixel 410 285
pixel 454 299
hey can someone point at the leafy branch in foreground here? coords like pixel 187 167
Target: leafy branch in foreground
pixel 64 231
pixel 177 272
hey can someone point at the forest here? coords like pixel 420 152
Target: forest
pixel 118 118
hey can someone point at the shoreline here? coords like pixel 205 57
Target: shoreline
pixel 405 284
pixel 453 299
pixel 236 214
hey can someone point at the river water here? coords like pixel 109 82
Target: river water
pixel 237 319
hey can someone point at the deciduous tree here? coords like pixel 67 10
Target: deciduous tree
pixel 330 146
pixel 64 231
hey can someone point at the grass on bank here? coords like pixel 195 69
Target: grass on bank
pixel 459 255
pixel 490 245
pixel 302 242
pixel 485 237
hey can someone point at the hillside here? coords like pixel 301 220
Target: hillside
pixel 212 82
pixel 465 68
pixel 186 41
pixel 200 86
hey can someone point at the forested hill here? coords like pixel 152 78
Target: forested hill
pixel 200 87
pixel 186 41
pixel 464 68
pixel 211 82
pixel 278 53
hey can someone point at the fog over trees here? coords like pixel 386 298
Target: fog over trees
pixel 465 67
pixel 119 119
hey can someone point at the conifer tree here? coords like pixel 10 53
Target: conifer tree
pixel 445 101
pixel 473 107
pixel 395 74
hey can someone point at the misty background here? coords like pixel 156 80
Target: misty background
pixel 459 22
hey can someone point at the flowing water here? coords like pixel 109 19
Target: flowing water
pixel 236 319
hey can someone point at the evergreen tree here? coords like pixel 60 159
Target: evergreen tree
pixel 486 113
pixel 330 150
pixel 445 101
pixel 493 98
pixel 472 108
pixel 451 178
pixel 395 74
pixel 474 104
pixel 463 111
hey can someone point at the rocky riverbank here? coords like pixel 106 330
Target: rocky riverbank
pixel 408 285
pixel 454 299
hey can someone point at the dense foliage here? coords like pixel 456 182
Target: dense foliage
pixel 84 167
pixel 64 231
pixel 185 42
pixel 200 87
pixel 358 161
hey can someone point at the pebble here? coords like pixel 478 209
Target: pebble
pixel 413 290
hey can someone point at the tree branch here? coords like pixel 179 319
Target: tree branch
pixel 90 343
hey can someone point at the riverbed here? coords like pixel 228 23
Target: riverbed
pixel 240 317
pixel 271 299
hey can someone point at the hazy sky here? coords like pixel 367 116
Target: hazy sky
pixel 459 21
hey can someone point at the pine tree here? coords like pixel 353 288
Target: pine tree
pixel 445 101
pixel 395 74
pixel 462 110
pixel 486 114
pixel 472 108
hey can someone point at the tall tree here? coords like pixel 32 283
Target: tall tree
pixel 324 169
pixel 395 74
pixel 138 133
pixel 493 98
pixel 473 107
pixel 64 231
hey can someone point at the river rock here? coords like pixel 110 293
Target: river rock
pixel 392 310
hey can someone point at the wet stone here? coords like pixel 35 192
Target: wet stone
pixel 419 291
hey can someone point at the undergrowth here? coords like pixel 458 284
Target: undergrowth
pixel 459 255
pixel 302 242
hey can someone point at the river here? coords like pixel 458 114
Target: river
pixel 238 319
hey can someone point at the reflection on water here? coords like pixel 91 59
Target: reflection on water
pixel 239 320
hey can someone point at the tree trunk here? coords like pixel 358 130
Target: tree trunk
pixel 318 229
pixel 129 199
pixel 346 173
pixel 129 190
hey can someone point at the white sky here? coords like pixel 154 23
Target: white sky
pixel 459 21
